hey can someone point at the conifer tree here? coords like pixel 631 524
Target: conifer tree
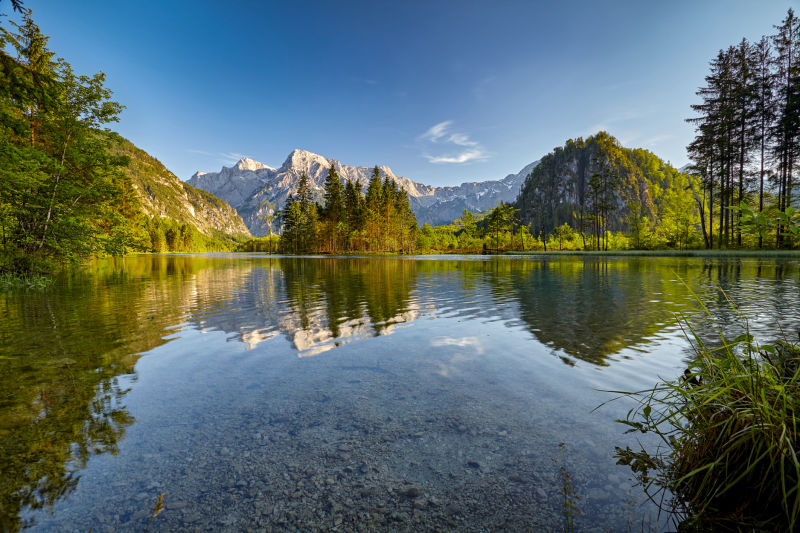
pixel 373 203
pixel 334 209
pixel 764 80
pixel 354 208
pixel 788 108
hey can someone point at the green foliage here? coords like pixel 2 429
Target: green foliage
pixel 748 140
pixel 269 244
pixel 15 280
pixel 68 189
pixel 569 506
pixel 729 437
pixel 381 221
pixel 600 189
pixel 498 230
pixel 57 177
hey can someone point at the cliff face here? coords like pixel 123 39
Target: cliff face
pixel 597 173
pixel 255 189
pixel 162 194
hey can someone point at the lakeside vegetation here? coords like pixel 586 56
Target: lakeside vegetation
pixel 69 188
pixel 729 438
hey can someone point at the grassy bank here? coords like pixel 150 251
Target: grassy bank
pixel 729 432
pixel 792 254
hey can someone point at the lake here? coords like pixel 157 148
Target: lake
pixel 416 393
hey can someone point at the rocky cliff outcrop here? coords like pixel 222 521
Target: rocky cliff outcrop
pixel 575 182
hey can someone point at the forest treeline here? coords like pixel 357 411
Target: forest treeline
pixel 748 141
pixel 379 220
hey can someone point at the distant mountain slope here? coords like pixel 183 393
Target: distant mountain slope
pixel 162 194
pixel 255 189
pixel 448 203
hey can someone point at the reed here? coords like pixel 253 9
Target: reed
pixel 728 432
pixel 13 280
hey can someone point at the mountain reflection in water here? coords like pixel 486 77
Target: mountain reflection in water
pixel 68 356
pixel 585 308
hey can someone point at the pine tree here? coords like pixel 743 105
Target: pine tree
pixel 744 99
pixel 764 80
pixel 334 209
pixel 373 203
pixel 354 210
pixel 788 108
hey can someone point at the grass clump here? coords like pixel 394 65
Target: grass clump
pixel 24 281
pixel 728 429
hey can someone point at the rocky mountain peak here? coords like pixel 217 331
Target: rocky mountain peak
pixel 246 163
pixel 303 160
pixel 264 190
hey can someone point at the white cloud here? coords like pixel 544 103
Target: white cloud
pixel 225 158
pixel 461 140
pixel 463 157
pixel 436 132
pixel 462 148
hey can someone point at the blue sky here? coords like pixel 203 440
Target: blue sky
pixel 440 91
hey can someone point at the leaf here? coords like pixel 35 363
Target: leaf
pixel 159 507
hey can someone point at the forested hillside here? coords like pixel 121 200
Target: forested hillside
pixel 162 194
pixel 596 186
pixel 69 188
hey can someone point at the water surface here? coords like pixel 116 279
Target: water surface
pixel 268 393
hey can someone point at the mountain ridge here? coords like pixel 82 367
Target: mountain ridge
pixel 161 194
pixel 255 189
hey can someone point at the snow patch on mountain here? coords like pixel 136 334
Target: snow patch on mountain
pixel 255 189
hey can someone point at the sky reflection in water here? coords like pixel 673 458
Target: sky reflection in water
pixel 369 392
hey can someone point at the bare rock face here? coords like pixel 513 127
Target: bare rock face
pixel 256 190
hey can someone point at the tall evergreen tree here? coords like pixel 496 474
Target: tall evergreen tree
pixel 764 80
pixel 334 209
pixel 788 108
pixel 744 100
pixel 373 203
pixel 354 209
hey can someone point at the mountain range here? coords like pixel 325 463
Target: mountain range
pixel 255 189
